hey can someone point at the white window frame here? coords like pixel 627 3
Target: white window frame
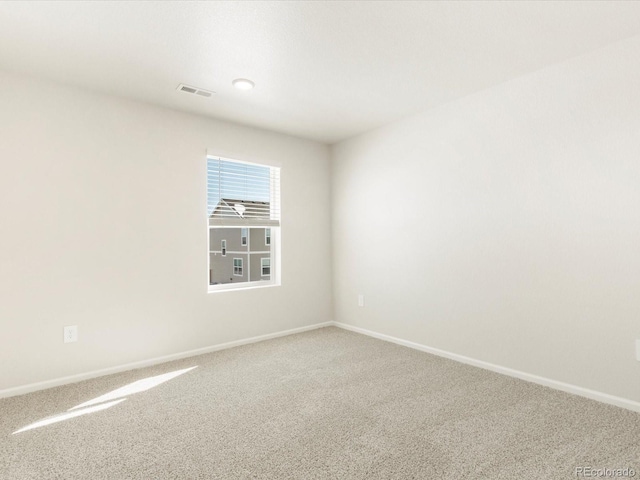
pixel 274 248
pixel 262 267
pixel 223 247
pixel 241 267
pixel 267 243
pixel 244 237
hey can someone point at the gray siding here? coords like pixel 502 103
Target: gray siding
pixel 231 235
pixel 256 266
pixel 221 267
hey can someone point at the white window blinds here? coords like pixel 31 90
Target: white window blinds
pixel 241 193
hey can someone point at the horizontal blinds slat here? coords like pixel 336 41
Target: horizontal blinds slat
pixel 238 174
pixel 230 183
pixel 243 222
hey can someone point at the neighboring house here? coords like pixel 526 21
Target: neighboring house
pixel 239 254
pixel 241 209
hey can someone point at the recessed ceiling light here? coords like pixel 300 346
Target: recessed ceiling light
pixel 243 84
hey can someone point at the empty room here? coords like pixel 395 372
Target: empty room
pixel 319 240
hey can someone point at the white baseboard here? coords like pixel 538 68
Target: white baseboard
pixel 565 387
pixel 547 382
pixel 32 387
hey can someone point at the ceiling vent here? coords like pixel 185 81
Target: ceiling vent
pixel 194 90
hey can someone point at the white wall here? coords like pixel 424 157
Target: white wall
pixel 103 225
pixel 505 226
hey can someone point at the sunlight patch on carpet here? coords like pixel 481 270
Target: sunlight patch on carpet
pixel 135 387
pixel 107 400
pixel 67 415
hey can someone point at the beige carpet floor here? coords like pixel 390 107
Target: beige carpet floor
pixel 318 405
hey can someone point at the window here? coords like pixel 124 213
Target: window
pixel 237 266
pixel 265 265
pixel 243 206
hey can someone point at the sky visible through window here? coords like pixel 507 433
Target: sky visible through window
pixel 236 181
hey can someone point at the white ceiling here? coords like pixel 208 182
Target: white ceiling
pixel 323 70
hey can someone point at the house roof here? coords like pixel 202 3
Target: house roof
pixel 231 208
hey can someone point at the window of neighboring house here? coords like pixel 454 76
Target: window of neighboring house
pixel 237 266
pixel 265 264
pixel 243 200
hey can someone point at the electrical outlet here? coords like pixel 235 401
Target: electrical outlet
pixel 71 334
pixel 360 300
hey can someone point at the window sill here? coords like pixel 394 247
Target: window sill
pixel 230 287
